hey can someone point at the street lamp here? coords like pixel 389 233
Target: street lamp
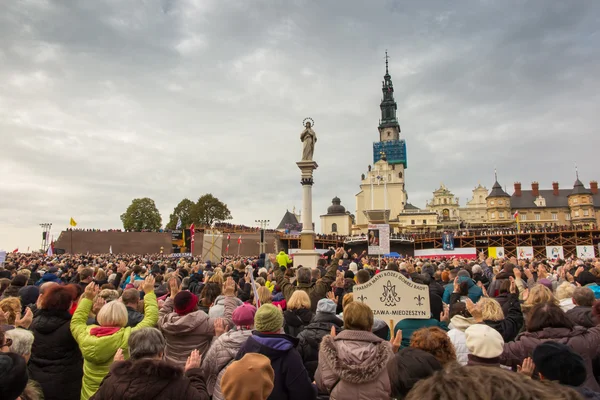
pixel 46 227
pixel 263 224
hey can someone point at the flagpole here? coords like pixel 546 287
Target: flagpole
pixel 239 245
pixel 71 240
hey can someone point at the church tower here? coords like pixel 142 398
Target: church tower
pixel 383 197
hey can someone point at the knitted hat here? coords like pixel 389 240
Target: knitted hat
pixel 268 318
pixel 353 267
pixel 326 306
pixel 244 315
pixel 558 362
pixel 483 341
pixel 29 295
pixel 250 378
pixel 13 375
pixel 185 302
pixel 545 282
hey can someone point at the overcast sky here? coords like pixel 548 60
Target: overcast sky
pixel 103 101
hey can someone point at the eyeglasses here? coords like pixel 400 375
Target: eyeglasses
pixel 7 342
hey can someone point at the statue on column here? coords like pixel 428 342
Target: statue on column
pixel 308 138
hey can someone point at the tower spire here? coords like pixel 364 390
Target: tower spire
pixel 576 171
pixel 495 175
pixel 386 63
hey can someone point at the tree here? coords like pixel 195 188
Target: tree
pixel 183 210
pixel 141 214
pixel 209 210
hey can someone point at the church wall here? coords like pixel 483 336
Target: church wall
pixel 343 222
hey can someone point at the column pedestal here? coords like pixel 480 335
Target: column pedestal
pixel 307 256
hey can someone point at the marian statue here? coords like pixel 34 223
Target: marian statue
pixel 308 138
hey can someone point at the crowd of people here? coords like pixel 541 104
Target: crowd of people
pixel 147 327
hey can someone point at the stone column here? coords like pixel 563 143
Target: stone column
pixel 307 256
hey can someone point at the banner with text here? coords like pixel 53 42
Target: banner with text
pixel 555 253
pixel 458 252
pixel 585 252
pixel 393 297
pixel 496 252
pixel 524 252
pixel 379 239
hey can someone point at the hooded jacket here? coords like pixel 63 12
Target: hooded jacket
pixel 219 356
pixel 512 323
pixel 310 339
pixel 458 326
pixel 582 316
pixel 296 320
pixel 217 310
pixel 56 362
pixel 99 350
pixel 585 342
pixel 48 277
pixel 149 380
pixel 283 259
pixel 291 378
pixel 474 294
pixel 353 366
pixel 185 333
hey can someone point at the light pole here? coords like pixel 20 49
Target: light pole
pixel 263 224
pixel 46 227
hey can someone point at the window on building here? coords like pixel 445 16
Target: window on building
pixel 445 201
pixel 492 203
pixel 400 175
pixel 412 221
pixel 500 202
pixel 575 201
pixel 538 216
pixel 389 177
pixel 501 214
pixel 523 217
pixel 586 213
pixel 568 216
pixel 493 215
pixel 481 199
pixel 554 216
pixel 576 214
pixel 334 227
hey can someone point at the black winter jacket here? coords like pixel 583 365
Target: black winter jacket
pixel 512 323
pixel 310 339
pixel 56 362
pixel 296 320
pixel 291 379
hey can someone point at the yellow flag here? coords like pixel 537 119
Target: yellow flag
pixel 72 222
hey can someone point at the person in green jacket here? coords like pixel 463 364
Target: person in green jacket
pixel 409 326
pixel 98 344
pixel 283 259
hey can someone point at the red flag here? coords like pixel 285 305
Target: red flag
pixel 229 236
pixel 16 250
pixel 192 232
pixel 227 249
pixel 240 240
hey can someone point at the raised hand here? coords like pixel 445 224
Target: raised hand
pixel 229 287
pixel 193 361
pixel 331 296
pixel 333 332
pixel 26 321
pixel 91 290
pixel 456 285
pixel 221 327
pixel 513 285
pixel 173 287
pixel 527 368
pixel 122 268
pixel 149 284
pixel 99 302
pixel 396 340
pixel 119 356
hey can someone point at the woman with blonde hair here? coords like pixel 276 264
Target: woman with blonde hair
pixel 298 313
pixel 538 294
pixel 99 344
pixel 489 312
pixel 264 295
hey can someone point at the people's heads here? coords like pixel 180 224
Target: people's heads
pixel 547 315
pixel 298 300
pixel 264 295
pixel 250 378
pixel 146 343
pixel 100 275
pixel 326 306
pixel 347 299
pixel 260 281
pixel 11 306
pixel 453 274
pixel 243 316
pixel 558 362
pixel 459 308
pixel 131 298
pixel 316 274
pixel 22 340
pixel 13 375
pixel 57 297
pixel 268 319
pixel 362 276
pixel 484 342
pixel 393 266
pixel 490 309
pixel 463 273
pixel 476 269
pixel 434 341
pixel 109 295
pixel 19 281
pixel 86 275
pixel 539 294
pixel 409 366
pixel 210 292
pixel 303 275
pixel 113 314
pixel 358 317
pixel 29 295
pixel 564 291
pixel 185 302
pixel 583 296
pixel 485 383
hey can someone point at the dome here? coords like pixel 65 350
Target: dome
pixel 336 207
